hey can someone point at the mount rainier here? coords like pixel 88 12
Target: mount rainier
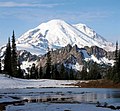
pixel 70 44
pixel 58 33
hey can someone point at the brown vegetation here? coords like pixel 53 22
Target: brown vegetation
pixel 98 84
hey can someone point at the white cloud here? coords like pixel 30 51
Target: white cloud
pixel 15 4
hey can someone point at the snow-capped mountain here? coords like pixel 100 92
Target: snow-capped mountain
pixel 57 33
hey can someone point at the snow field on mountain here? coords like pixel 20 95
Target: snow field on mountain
pixel 95 59
pixel 58 33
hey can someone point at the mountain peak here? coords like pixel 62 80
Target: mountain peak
pixel 58 33
pixel 53 22
pixel 56 21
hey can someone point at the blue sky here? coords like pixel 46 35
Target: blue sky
pixel 21 15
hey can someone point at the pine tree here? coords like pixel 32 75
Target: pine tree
pixel 109 74
pixel 52 72
pixel 71 74
pixel 40 73
pixel 62 72
pixel 116 56
pixel 84 73
pixel 119 67
pixel 119 61
pixel 48 66
pixel 0 66
pixel 28 74
pixel 66 75
pixel 94 72
pixel 19 71
pixel 116 68
pixel 33 72
pixel 55 73
pixel 14 56
pixel 7 59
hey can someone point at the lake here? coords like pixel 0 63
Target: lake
pixel 64 97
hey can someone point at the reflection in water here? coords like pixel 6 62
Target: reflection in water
pixel 52 100
pixel 83 97
pixel 63 95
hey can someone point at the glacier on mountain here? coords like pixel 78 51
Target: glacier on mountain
pixel 58 33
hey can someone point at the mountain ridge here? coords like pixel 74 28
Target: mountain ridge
pixel 75 57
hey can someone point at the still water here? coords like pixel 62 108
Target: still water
pixel 60 95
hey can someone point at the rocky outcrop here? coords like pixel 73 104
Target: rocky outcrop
pixel 111 55
pixel 99 52
pixel 96 51
pixel 72 55
pixel 24 55
pixel 67 55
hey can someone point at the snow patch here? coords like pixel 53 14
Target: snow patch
pixel 75 66
pixel 11 82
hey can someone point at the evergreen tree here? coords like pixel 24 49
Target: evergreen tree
pixel 78 75
pixel 94 72
pixel 116 68
pixel 84 73
pixel 119 61
pixel 62 72
pixel 119 65
pixel 71 74
pixel 14 56
pixel 116 55
pixel 33 72
pixel 19 71
pixel 66 75
pixel 36 73
pixel 0 66
pixel 52 72
pixel 48 66
pixel 40 73
pixel 109 74
pixel 27 75
pixel 7 59
pixel 116 58
pixel 55 73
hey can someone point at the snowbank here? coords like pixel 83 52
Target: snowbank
pixel 8 82
pixel 56 107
